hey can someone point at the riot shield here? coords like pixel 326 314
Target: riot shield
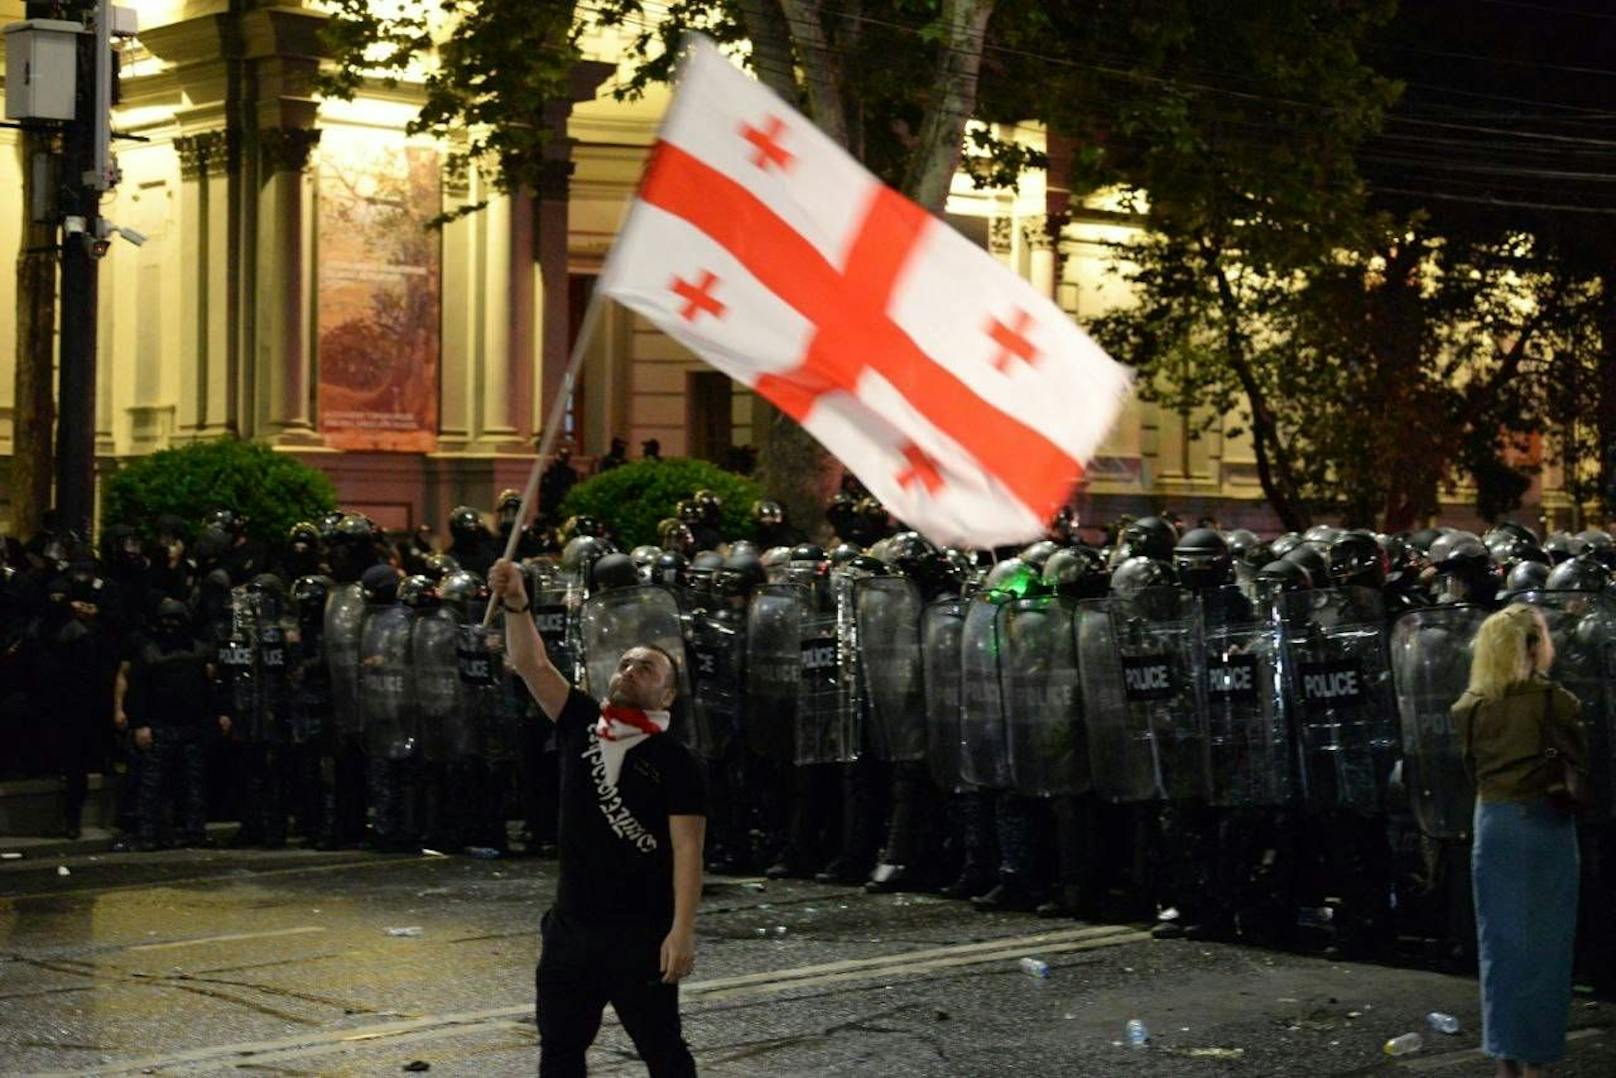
pixel 272 659
pixel 435 685
pixel 984 747
pixel 344 612
pixel 827 700
pixel 618 619
pixel 772 669
pixel 1121 751
pixel 715 648
pixel 384 682
pixel 555 616
pixel 942 626
pixel 238 668
pixel 1430 662
pixel 1339 690
pixel 1161 648
pixel 1583 628
pixel 887 609
pixel 1248 741
pixel 1143 694
pixel 488 731
pixel 1047 745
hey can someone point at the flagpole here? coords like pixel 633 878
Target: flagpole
pixel 552 427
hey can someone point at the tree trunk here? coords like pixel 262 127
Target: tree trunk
pixel 1605 393
pixel 1273 463
pixel 942 131
pixel 34 414
pixel 793 468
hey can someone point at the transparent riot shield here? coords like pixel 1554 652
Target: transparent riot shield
pixel 344 612
pixel 435 685
pixel 615 620
pixel 715 645
pixel 827 703
pixel 1122 753
pixel 384 682
pixel 1161 649
pixel 1583 628
pixel 888 612
pixel 272 658
pixel 942 626
pixel 1430 662
pixel 1143 684
pixel 984 744
pixel 555 616
pixel 1046 742
pixel 1248 741
pixel 489 728
pixel 772 668
pixel 1339 690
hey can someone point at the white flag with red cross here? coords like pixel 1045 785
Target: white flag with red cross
pixel 962 398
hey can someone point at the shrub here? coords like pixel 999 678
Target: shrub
pixel 631 499
pixel 272 489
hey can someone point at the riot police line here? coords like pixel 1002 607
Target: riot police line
pixel 1252 736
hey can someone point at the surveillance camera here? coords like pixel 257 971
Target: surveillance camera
pixel 133 235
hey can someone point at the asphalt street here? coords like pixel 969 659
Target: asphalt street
pixel 214 962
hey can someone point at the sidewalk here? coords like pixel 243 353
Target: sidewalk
pixel 91 840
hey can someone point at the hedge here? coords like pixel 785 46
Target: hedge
pixel 633 498
pixel 272 489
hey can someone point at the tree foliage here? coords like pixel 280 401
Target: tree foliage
pixel 636 496
pixel 274 491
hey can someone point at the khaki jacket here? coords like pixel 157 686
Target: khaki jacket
pixel 1502 740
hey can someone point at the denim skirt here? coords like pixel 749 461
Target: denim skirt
pixel 1525 870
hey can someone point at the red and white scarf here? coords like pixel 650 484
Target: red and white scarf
pixel 620 729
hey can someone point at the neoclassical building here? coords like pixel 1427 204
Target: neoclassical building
pixel 290 292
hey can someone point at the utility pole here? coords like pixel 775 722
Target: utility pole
pixel 61 67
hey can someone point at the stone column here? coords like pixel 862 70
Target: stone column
pixel 512 421
pixel 1040 243
pixel 1001 238
pixel 553 230
pixel 284 294
pixel 207 405
pixel 463 296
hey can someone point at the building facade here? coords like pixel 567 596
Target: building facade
pixel 290 291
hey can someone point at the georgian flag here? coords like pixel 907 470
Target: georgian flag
pixel 964 400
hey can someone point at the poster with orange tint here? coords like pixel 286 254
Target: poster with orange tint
pixel 379 288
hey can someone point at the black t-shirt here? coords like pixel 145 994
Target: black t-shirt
pixel 616 855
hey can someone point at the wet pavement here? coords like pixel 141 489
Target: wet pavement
pixel 216 962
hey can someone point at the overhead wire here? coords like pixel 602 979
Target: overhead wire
pixel 1501 140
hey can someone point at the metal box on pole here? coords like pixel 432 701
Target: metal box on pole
pixel 41 69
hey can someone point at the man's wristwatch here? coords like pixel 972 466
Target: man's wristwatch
pixel 509 609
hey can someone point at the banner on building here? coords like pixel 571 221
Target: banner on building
pixel 378 274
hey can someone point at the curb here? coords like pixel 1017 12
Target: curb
pixel 44 848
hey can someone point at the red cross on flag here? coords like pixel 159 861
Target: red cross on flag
pixel 962 398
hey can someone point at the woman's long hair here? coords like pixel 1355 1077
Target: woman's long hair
pixel 1502 655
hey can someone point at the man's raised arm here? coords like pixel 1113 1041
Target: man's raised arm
pixel 547 684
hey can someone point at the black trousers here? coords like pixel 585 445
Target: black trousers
pixel 177 760
pixel 583 967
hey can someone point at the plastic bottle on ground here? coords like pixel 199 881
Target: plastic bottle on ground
pixel 1404 1045
pixel 1136 1034
pixel 1442 1023
pixel 1034 967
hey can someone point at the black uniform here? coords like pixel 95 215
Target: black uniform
pixel 614 901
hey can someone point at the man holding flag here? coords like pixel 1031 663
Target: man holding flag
pixel 964 400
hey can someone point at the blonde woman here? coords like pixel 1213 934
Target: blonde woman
pixel 1524 857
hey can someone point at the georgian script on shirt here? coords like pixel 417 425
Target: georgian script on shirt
pixel 618 817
